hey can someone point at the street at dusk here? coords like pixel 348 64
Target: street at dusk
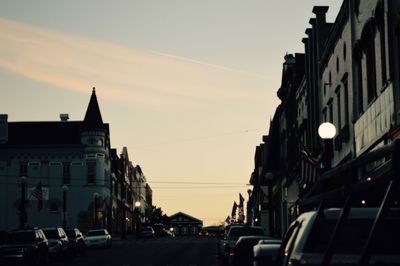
pixel 200 132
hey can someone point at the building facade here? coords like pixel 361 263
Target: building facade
pixel 185 225
pixel 351 79
pixel 68 161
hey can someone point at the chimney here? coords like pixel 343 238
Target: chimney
pixel 64 117
pixel 320 12
pixel 3 128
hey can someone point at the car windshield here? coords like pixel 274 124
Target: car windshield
pixel 70 233
pixel 51 234
pixel 21 237
pixel 245 231
pixel 147 229
pixel 96 233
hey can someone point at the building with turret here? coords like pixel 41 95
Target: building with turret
pixel 55 173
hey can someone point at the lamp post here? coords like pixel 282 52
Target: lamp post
pixel 95 195
pixel 23 217
pixel 123 220
pixel 327 132
pixel 137 208
pixel 64 190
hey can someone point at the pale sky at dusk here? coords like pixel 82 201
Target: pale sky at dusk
pixel 187 86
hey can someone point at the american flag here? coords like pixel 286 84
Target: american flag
pixel 309 170
pixel 38 194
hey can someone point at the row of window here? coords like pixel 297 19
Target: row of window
pixel 342 105
pixel 66 170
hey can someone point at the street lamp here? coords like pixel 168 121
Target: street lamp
pixel 64 190
pixel 23 217
pixel 123 220
pixel 95 195
pixel 327 132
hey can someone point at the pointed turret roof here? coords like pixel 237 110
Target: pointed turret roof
pixel 93 115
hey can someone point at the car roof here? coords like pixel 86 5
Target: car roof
pixel 250 237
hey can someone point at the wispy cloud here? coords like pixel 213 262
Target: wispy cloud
pixel 149 78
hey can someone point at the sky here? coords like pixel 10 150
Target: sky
pixel 188 86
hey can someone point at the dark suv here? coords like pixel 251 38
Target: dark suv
pixel 58 241
pixel 76 242
pixel 25 245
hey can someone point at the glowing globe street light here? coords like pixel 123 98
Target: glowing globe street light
pixel 136 211
pixel 327 132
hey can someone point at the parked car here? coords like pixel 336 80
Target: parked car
pixel 242 253
pixel 76 242
pixel 307 238
pixel 98 238
pixel 203 233
pixel 234 232
pixel 146 232
pixel 266 252
pixel 58 241
pixel 159 230
pixel 25 246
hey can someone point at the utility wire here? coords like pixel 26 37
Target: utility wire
pixel 196 139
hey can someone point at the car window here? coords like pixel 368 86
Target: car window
pixel 245 231
pixel 51 233
pixel 21 237
pixel 96 233
pixel 70 233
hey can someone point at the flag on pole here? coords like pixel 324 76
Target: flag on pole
pixel 241 209
pixel 233 215
pixel 241 200
pixel 309 170
pixel 38 194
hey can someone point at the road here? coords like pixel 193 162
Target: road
pixel 177 251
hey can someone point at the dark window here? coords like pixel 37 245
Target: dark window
pixel 91 172
pixel 360 91
pixel 339 109
pixel 381 26
pixel 346 98
pixel 96 233
pixel 353 235
pixel 66 173
pixel 368 41
pixel 51 234
pixel 21 237
pixel 245 231
pixel 330 111
pixel 53 207
pixel 23 169
pixel 337 64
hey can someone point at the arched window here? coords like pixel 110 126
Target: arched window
pixel 368 44
pixel 380 23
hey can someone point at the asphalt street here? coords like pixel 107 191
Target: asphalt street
pixel 177 251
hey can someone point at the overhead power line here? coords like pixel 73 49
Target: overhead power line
pixel 196 139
